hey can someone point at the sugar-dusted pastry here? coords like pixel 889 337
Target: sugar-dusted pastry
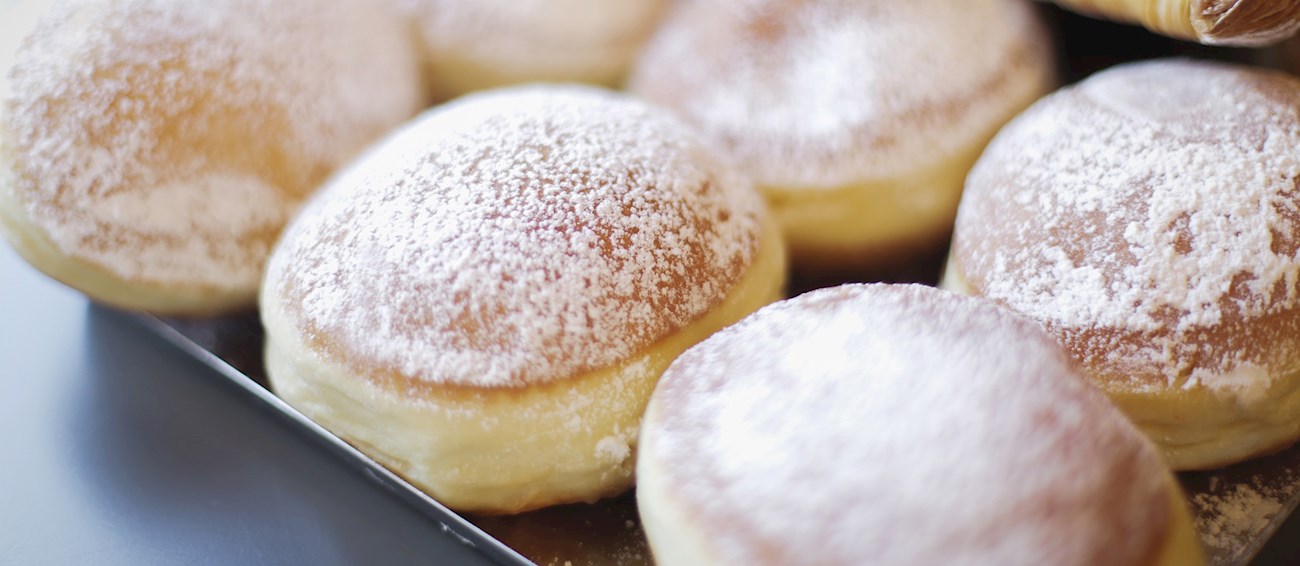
pixel 151 150
pixel 1149 218
pixel 1212 22
pixel 477 44
pixel 486 300
pixel 897 425
pixel 859 120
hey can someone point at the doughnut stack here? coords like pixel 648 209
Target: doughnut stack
pixel 536 292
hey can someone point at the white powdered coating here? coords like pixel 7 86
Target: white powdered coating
pixel 167 141
pixel 1150 216
pixel 1228 517
pixel 875 424
pixel 819 94
pixel 616 448
pixel 516 237
pixel 547 39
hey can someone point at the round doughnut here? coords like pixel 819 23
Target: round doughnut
pixel 897 424
pixel 151 150
pixel 478 44
pixel 1149 218
pixel 485 301
pixel 859 120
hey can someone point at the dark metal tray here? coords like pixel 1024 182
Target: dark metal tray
pixel 1236 509
pixel 604 533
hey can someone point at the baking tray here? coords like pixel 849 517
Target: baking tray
pixel 605 533
pixel 1236 510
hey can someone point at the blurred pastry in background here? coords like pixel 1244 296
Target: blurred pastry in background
pixel 151 150
pixel 1285 56
pixel 486 300
pixel 478 44
pixel 1089 44
pixel 1149 218
pixel 859 120
pixel 1242 23
pixel 897 425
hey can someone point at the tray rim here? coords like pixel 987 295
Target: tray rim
pixel 451 523
pixel 462 529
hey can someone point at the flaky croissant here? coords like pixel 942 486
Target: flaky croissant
pixel 1212 22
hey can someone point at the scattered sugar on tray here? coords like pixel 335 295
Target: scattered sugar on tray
pixel 1240 512
pixel 518 237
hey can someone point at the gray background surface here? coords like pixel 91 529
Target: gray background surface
pixel 117 448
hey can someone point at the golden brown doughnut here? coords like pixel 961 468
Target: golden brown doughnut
pixel 1149 218
pixel 880 424
pixel 485 301
pixel 151 150
pixel 859 120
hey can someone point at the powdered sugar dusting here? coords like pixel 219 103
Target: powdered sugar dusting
pixel 169 140
pixel 1150 216
pixel 519 236
pixel 617 447
pixel 823 93
pixel 835 428
pixel 1228 515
